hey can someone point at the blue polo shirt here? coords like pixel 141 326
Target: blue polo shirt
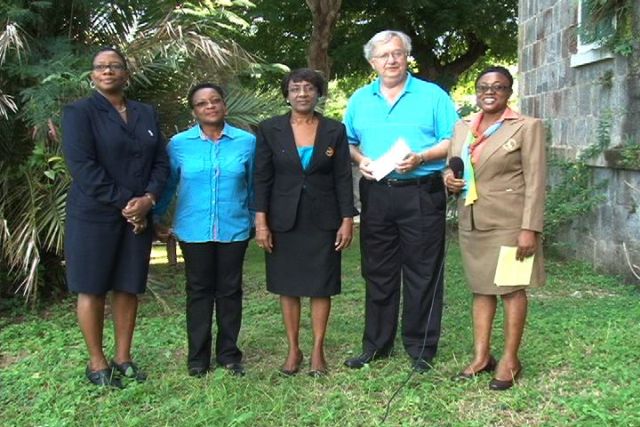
pixel 213 185
pixel 423 115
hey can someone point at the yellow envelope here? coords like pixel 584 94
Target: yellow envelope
pixel 511 272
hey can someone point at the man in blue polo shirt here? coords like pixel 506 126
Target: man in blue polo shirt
pixel 403 215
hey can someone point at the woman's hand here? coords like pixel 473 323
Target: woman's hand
pixel 140 225
pixel 264 239
pixel 454 185
pixel 162 232
pixel 527 244
pixel 344 234
pixel 137 208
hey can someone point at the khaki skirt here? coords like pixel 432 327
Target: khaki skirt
pixel 480 251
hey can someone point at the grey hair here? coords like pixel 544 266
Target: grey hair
pixel 384 37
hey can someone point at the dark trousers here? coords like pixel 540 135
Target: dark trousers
pixel 402 243
pixel 214 279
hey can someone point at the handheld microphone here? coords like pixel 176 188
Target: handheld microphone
pixel 457 167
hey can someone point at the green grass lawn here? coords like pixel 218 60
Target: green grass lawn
pixel 580 355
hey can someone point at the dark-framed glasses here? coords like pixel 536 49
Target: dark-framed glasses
pixel 114 66
pixel 480 89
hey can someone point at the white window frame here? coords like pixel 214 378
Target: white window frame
pixel 588 53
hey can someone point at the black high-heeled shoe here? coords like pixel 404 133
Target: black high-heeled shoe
pixel 501 385
pixel 489 367
pixel 295 370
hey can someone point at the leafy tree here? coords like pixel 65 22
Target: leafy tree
pixel 45 52
pixel 448 36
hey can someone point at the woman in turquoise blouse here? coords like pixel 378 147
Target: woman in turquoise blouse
pixel 212 179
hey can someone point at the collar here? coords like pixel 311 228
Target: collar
pixel 195 132
pixel 508 114
pixel 408 85
pixel 102 102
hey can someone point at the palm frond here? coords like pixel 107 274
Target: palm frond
pixel 12 38
pixel 7 104
pixel 248 108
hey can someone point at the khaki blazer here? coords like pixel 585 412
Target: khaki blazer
pixel 510 177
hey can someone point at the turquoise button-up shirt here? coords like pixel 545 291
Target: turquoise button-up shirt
pixel 423 115
pixel 213 185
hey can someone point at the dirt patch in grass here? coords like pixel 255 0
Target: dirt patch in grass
pixel 7 360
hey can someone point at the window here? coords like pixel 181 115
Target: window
pixel 589 39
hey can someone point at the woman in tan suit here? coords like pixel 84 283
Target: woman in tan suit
pixel 501 203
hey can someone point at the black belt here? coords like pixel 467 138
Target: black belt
pixel 434 181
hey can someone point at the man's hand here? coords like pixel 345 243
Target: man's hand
pixel 409 163
pixel 365 168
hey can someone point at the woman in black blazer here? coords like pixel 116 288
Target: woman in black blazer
pixel 304 204
pixel 117 159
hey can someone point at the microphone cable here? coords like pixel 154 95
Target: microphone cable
pixel 450 212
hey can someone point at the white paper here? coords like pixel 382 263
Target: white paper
pixel 389 160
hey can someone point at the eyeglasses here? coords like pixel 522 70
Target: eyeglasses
pixel 480 89
pixel 114 66
pixel 205 103
pixel 396 54
pixel 295 90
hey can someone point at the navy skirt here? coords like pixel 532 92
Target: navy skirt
pixel 104 256
pixel 304 262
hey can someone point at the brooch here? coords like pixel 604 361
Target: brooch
pixel 330 152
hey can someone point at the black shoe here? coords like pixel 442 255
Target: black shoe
pixel 104 377
pixel 198 371
pixel 489 367
pixel 421 365
pixel 236 369
pixel 364 358
pixel 501 385
pixel 129 370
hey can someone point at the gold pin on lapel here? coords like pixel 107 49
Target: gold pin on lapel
pixel 510 145
pixel 330 152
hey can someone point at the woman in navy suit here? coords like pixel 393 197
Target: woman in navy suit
pixel 117 159
pixel 304 210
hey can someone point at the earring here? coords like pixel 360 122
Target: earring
pixel 92 84
pixel 127 84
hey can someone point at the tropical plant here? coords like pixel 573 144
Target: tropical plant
pixel 45 50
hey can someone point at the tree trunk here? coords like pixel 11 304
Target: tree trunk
pixel 447 74
pixel 325 14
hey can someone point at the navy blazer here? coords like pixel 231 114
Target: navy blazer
pixel 111 161
pixel 280 179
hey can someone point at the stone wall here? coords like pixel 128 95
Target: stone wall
pixel 574 90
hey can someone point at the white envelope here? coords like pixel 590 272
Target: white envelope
pixel 385 164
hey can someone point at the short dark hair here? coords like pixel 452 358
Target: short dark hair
pixel 303 74
pixel 111 49
pixel 496 69
pixel 204 85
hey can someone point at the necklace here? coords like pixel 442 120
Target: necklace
pixel 122 110
pixel 303 120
